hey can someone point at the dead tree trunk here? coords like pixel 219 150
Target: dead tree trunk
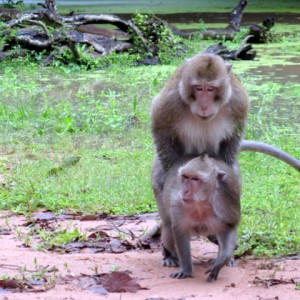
pixel 233 27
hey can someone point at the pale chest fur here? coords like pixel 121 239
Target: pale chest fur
pixel 200 135
pixel 197 218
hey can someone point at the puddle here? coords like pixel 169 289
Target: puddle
pixel 279 87
pixel 280 73
pixel 248 18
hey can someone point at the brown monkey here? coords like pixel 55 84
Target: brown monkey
pixel 246 145
pixel 200 196
pixel 201 109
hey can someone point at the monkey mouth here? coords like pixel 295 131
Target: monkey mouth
pixel 206 118
pixel 187 200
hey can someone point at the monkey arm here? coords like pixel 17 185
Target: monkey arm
pixel 270 150
pixel 229 149
pixel 168 147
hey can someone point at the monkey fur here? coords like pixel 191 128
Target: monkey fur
pixel 202 109
pixel 201 196
pixel 188 122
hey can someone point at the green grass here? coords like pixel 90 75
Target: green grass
pixel 102 116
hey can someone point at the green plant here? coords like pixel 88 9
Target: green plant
pixel 201 26
pixel 12 3
pixel 240 35
pixel 160 39
pixel 58 238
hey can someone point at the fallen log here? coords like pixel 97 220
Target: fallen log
pixel 69 28
pixel 242 53
pixel 260 34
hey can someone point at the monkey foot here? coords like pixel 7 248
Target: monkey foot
pixel 231 263
pixel 213 274
pixel 170 261
pixel 181 275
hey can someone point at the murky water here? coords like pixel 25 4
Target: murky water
pixel 280 73
pixel 277 93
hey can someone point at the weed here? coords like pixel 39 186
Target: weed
pixel 164 44
pixel 12 4
pixel 202 26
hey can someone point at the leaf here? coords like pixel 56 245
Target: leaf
pixel 98 234
pixel 120 282
pixel 98 289
pixel 10 284
pixel 44 216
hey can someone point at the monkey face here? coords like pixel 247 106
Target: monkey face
pixel 199 180
pixel 204 105
pixel 205 85
pixel 197 187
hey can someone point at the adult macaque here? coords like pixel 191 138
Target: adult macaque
pixel 201 109
pixel 200 196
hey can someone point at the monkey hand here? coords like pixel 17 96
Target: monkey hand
pixel 181 274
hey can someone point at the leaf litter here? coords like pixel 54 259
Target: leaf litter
pixel 109 234
pixel 119 234
pixel 115 236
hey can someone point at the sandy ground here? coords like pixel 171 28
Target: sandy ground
pixel 145 266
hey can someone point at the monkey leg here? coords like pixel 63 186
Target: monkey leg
pixel 231 262
pixel 182 240
pixel 169 253
pixel 169 260
pixel 227 244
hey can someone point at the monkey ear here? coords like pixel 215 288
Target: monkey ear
pixel 228 67
pixel 221 175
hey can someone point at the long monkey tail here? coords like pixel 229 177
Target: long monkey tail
pixel 247 145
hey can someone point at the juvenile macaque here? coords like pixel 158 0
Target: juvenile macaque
pixel 200 196
pixel 246 145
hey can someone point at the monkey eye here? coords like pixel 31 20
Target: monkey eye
pixel 210 89
pixel 198 87
pixel 195 179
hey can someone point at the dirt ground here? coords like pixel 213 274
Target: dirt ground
pixel 251 279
